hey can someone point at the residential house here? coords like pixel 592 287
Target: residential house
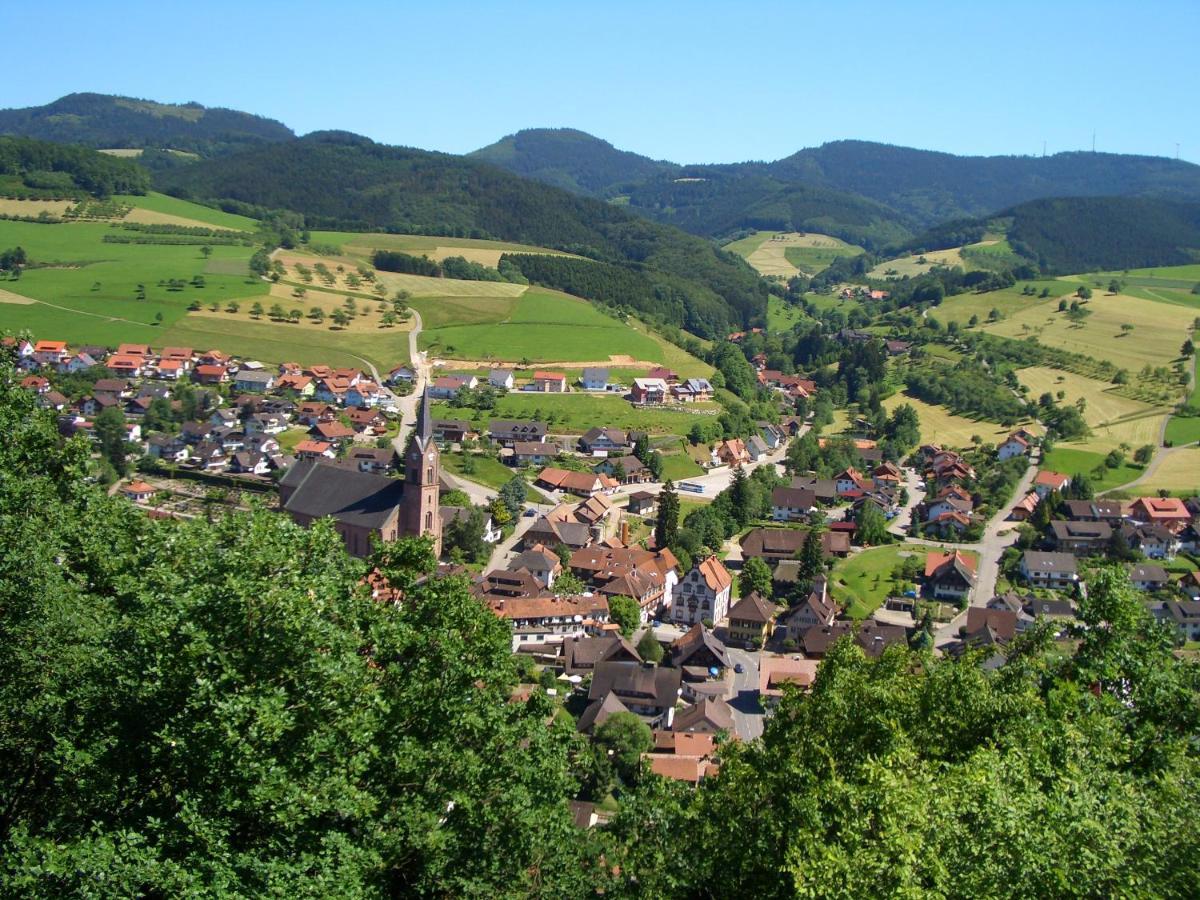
pixel 548 383
pixel 1098 510
pixel 507 431
pixel 625 470
pixel 790 504
pixel 649 390
pixel 138 491
pixel 751 620
pixel 851 481
pixel 1014 445
pixel 313 413
pixel 580 655
pixel 445 387
pixel 302 385
pixel 645 689
pixel 1024 508
pixel 774 436
pixel 774 545
pixel 583 484
pixel 126 366
pixel 502 379
pixel 551 533
pixel 207 373
pixel 699 653
pixel 533 453
pixel 1168 511
pixel 366 420
pixel 824 489
pixel 757 448
pixel 605 441
pixel 258 380
pixel 452 431
pixel 79 362
pixel 777 672
pixel 711 715
pixel 693 390
pixel 641 503
pixel 1152 540
pixel 50 353
pixel 1047 481
pixel 1053 570
pixel 949 576
pixel 663 374
pixel 1148 577
pixel 401 373
pixel 1185 616
pixel 817 610
pixel 871 636
pixel 649 577
pixel 312 450
pixel 703 593
pixel 731 452
pixel 375 460
pixel 210 456
pixel 1080 538
pixel 989 627
pixel 538 621
pixel 538 561
pixel 594 379
pixel 364 395
pixel 332 432
pixel 249 462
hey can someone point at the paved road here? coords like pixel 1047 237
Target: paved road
pixel 504 552
pixel 747 714
pixel 998 536
pixel 916 493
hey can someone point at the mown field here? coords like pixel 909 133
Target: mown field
pixel 85 290
pixel 920 263
pixel 1186 429
pixel 541 325
pixel 167 209
pixel 782 316
pixel 1158 329
pixel 1072 460
pixel 1178 472
pixel 784 254
pixel 938 424
pixel 961 307
pixel 1114 419
pixel 575 413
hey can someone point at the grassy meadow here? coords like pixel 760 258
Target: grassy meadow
pixel 781 316
pixel 1072 460
pixel 784 254
pixel 863 581
pixel 1114 419
pixel 1178 472
pixel 1186 429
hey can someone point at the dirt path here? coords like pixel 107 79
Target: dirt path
pixel 627 362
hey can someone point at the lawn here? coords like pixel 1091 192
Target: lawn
pixel 87 289
pixel 543 326
pixel 782 316
pixel 1114 419
pixel 1185 429
pixel 679 466
pixel 576 412
pixel 863 581
pixel 1075 460
pixel 1179 473
pixel 1158 329
pixel 489 472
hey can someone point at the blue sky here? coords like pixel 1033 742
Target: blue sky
pixel 690 82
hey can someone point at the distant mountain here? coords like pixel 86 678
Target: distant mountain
pixel 914 187
pixel 571 159
pixel 1066 235
pixel 340 180
pixel 934 187
pixel 103 121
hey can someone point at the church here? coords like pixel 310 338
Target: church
pixel 364 506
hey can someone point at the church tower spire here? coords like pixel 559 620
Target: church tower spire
pixel 422 477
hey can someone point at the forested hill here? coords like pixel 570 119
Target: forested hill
pixel 718 201
pixel 30 168
pixel 102 120
pixel 339 180
pixel 1079 234
pixel 571 159
pixel 934 187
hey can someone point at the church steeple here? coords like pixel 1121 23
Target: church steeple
pixel 422 479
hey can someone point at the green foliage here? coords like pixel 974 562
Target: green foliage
pixel 80 171
pixel 625 612
pixel 649 648
pixel 624 738
pixel 755 576
pixel 871 526
pixel 666 525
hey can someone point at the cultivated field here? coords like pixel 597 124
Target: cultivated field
pixel 202 215
pixel 1113 419
pixel 34 207
pixel 364 244
pixel 1159 329
pixel 940 426
pixel 576 412
pixel 784 254
pixel 961 307
pixel 912 266
pixel 1178 472
pixel 415 285
pixel 543 325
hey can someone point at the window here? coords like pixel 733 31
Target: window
pixel 429 475
pixel 429 521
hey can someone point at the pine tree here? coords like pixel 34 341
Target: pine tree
pixel 666 527
pixel 812 561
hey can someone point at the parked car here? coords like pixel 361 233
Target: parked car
pixel 739 668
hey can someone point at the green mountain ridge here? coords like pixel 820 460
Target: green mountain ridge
pixel 102 120
pixel 343 181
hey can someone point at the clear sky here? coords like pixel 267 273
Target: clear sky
pixel 687 81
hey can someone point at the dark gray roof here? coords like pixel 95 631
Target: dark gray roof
pixel 1036 561
pixel 355 498
pixel 640 683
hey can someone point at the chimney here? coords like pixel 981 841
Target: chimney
pixel 625 532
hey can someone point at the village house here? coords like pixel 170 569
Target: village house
pixel 533 453
pixel 648 390
pixel 580 655
pixel 625 470
pixel 871 636
pixel 949 576
pixel 501 379
pixel 694 390
pixel 751 620
pixel 582 484
pixel 445 387
pixel 605 441
pixel 374 460
pixel 554 533
pixel 776 672
pixel 703 593
pixel 641 503
pixel 1168 511
pixel 538 621
pixel 540 562
pixel 710 715
pixel 207 373
pixel 507 431
pixel 1097 510
pixel 731 452
pixel 664 374
pixel 366 420
pixel 312 450
pixel 1014 445
pixel 1184 615
pixel 645 689
pixel 1153 541
pixel 1047 481
pixel 1148 577
pixel 817 610
pixel 50 353
pixel 594 379
pixel 649 577
pixel 548 383
pixel 79 362
pixel 1080 538
pixel 790 504
pixel 1052 570
pixel 452 431
pixel 253 380
pixel 138 491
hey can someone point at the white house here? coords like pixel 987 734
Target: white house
pixel 1014 445
pixel 703 593
pixel 594 379
pixel 501 378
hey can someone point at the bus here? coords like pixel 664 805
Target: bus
pixel 691 486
